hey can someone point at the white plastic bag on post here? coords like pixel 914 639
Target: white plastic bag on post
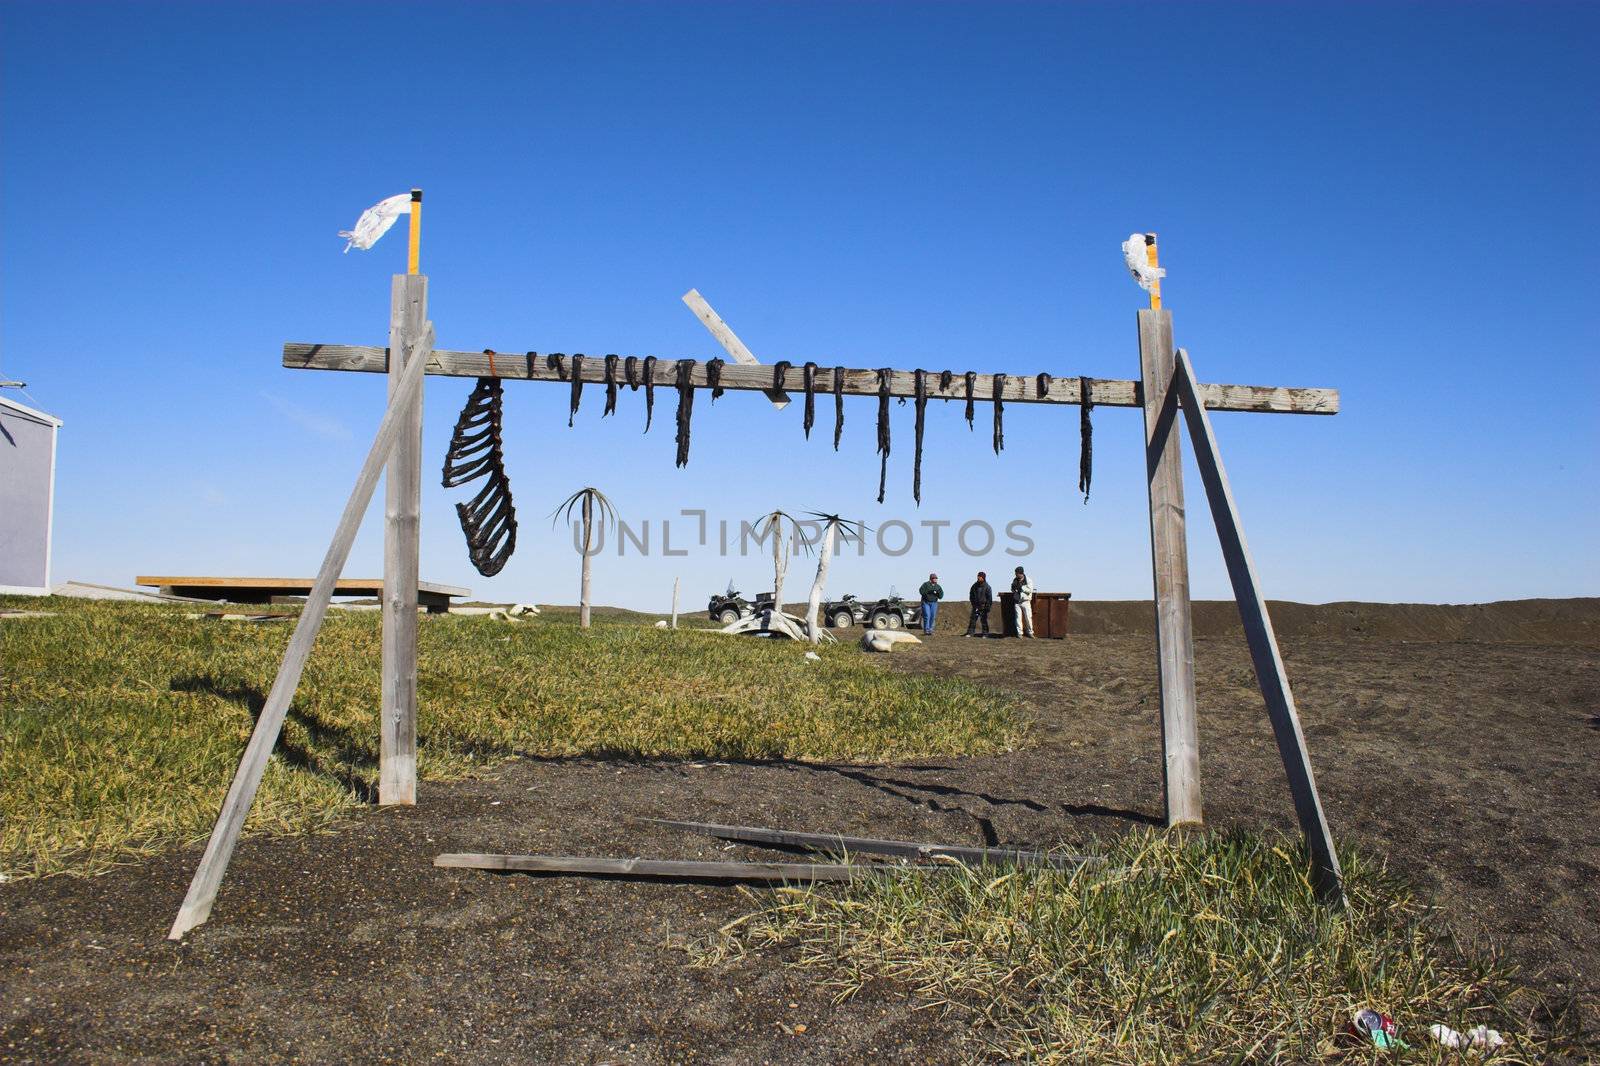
pixel 375 221
pixel 1138 260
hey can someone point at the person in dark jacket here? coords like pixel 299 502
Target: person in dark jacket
pixel 931 592
pixel 981 596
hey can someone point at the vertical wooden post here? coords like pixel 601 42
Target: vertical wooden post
pixel 588 559
pixel 1270 674
pixel 402 494
pixel 247 778
pixel 1169 557
pixel 675 603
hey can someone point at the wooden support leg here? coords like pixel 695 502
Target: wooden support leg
pixel 1169 555
pixel 1270 673
pixel 402 490
pixel 225 834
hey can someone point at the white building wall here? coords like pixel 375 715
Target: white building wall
pixel 27 497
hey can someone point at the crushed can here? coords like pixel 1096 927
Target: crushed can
pixel 1379 1030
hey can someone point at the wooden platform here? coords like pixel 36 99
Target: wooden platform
pixel 436 598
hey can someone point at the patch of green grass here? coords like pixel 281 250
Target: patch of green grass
pixel 121 723
pixel 1204 948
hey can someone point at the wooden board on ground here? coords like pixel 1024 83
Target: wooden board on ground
pixel 837 844
pixel 435 597
pixel 674 869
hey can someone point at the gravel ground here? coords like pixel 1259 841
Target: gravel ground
pixel 1474 765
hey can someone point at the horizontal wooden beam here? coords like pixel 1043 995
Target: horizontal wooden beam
pixel 1107 392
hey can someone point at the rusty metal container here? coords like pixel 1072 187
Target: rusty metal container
pixel 1051 614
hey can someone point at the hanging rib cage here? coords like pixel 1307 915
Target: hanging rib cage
pixel 488 519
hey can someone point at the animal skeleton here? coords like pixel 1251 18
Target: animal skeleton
pixel 488 520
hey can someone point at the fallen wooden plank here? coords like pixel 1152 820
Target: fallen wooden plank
pixel 673 869
pixel 1108 392
pixel 835 843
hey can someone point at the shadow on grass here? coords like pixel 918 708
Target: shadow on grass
pixel 332 751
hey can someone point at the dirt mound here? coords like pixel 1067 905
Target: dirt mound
pixel 1573 621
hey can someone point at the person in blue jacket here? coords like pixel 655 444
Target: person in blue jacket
pixel 931 592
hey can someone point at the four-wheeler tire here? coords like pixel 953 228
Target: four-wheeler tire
pixel 842 620
pixel 895 621
pixel 881 620
pixel 727 616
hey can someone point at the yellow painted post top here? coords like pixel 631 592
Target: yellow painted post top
pixel 1155 287
pixel 414 258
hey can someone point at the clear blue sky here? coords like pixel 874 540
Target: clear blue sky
pixel 1396 200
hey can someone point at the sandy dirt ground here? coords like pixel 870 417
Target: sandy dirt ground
pixel 1474 764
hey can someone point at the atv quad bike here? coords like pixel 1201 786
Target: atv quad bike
pixel 887 613
pixel 730 606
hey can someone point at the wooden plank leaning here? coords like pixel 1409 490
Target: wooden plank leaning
pixel 1169 565
pixel 1270 674
pixel 729 340
pixel 225 834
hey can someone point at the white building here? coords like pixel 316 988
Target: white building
pixel 27 497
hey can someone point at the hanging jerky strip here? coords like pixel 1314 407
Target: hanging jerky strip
pixel 1042 385
pixel 1085 436
pixel 780 374
pixel 945 377
pixel 714 377
pixel 916 460
pixel 488 520
pixel 630 372
pixel 611 386
pixel 838 405
pixel 972 380
pixel 999 412
pixel 576 371
pixel 883 430
pixel 685 384
pixel 809 373
pixel 649 390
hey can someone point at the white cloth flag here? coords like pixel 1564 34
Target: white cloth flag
pixel 375 221
pixel 1138 260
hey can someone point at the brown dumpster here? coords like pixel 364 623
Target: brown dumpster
pixel 1050 614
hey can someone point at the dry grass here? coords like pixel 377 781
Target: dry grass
pixel 121 723
pixel 1210 948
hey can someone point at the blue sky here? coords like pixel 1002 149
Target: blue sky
pixel 1395 200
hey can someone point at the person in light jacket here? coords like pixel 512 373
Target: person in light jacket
pixel 1022 595
pixel 981 596
pixel 931 592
